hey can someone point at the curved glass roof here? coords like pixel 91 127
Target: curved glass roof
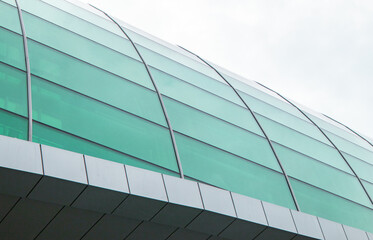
pixel 106 89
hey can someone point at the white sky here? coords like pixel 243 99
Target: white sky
pixel 316 52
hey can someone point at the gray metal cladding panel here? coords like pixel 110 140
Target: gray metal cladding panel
pixel 370 236
pixel 139 208
pixel 6 204
pixel 332 230
pixel 217 200
pixel 241 229
pixel 149 230
pixel 57 191
pixel 354 233
pixel 27 219
pixel 176 215
pixel 99 199
pixel 211 223
pixel 184 234
pixel 70 223
pixel 307 225
pixel 106 174
pixel 183 192
pixel 249 209
pixel 20 155
pixel 112 227
pixel 64 164
pixel 279 217
pixel 146 183
pixel 20 166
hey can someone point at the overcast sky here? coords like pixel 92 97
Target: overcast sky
pixel 316 52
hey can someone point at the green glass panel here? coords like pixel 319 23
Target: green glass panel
pixel 13 90
pixel 56 138
pixel 283 117
pixel 112 38
pixel 92 120
pixel 86 50
pixel 264 95
pixel 205 101
pixel 13 125
pixel 302 143
pixel 84 12
pixel 226 171
pixel 188 75
pixel 339 130
pixel 351 148
pixel 96 83
pixel 11 49
pixel 369 187
pixel 172 52
pixel 320 203
pixel 11 2
pixel 321 175
pixel 363 169
pixel 223 135
pixel 9 17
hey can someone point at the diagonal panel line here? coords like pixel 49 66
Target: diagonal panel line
pixel 261 128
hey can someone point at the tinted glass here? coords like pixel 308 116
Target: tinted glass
pixel 13 125
pixel 13 90
pixel 9 17
pixel 320 203
pixel 57 138
pixel 224 170
pixel 220 134
pixel 321 175
pixel 94 82
pixel 11 49
pixel 97 122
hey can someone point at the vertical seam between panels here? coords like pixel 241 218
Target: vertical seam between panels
pixel 323 133
pixel 261 128
pixel 350 130
pixel 158 94
pixel 28 73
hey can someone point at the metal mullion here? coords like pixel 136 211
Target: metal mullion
pixel 158 94
pixel 326 136
pixel 371 144
pixel 28 73
pixel 261 128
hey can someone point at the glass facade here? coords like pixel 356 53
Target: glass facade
pixel 93 92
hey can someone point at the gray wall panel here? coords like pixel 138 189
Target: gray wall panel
pixel 332 230
pixel 307 225
pixel 249 209
pixel 354 233
pixel 64 164
pixel 279 217
pixel 106 174
pixel 146 183
pixel 217 200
